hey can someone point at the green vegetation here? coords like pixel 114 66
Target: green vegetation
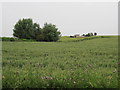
pixel 68 39
pixel 62 39
pixel 90 62
pixel 26 29
pixel 12 39
pixel 89 34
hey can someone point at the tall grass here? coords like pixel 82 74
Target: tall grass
pixel 85 64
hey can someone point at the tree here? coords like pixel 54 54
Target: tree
pixel 50 32
pixel 26 29
pixel 83 35
pixel 87 35
pixel 95 34
pixel 91 34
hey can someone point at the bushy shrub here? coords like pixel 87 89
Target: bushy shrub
pixel 12 39
pixel 23 39
pixel 8 39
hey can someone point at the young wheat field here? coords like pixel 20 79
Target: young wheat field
pixel 65 64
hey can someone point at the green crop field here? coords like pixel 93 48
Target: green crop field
pixel 69 63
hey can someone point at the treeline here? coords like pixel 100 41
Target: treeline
pixel 26 29
pixel 89 34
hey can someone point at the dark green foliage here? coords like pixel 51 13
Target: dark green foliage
pixel 89 34
pixel 40 37
pixel 83 35
pixel 26 29
pixel 37 31
pixel 102 36
pixel 12 39
pixel 15 39
pixel 8 39
pixel 50 32
pixel 95 34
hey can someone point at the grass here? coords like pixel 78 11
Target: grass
pixel 68 39
pixel 69 63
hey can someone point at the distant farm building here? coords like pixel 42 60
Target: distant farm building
pixel 77 35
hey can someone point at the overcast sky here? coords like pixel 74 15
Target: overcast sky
pixel 69 17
